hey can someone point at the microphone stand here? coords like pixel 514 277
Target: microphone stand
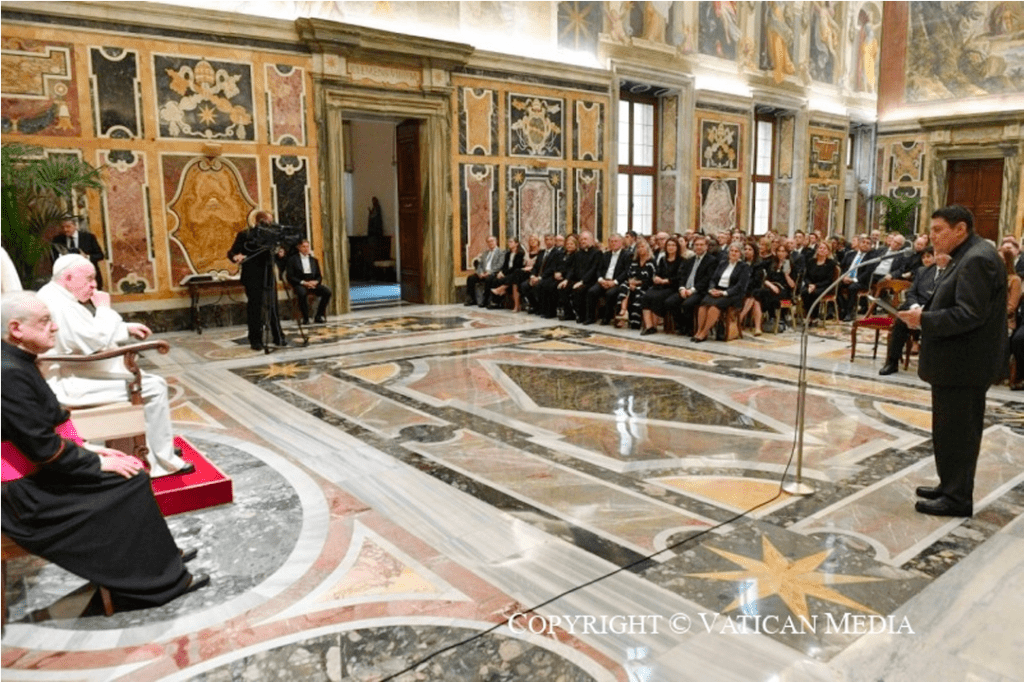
pixel 797 486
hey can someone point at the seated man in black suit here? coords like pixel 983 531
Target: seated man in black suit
pixel 72 240
pixel 304 276
pixel 611 274
pixel 695 277
pixel 856 278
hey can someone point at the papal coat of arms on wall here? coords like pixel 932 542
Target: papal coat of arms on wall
pixel 719 145
pixel 535 126
pixel 201 98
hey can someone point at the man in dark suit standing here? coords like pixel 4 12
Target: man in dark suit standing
pixel 257 277
pixel 72 240
pixel 303 274
pixel 695 275
pixel 963 351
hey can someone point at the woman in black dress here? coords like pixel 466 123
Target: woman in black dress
pixel 728 287
pixel 566 277
pixel 665 283
pixel 820 273
pixel 758 267
pixel 778 285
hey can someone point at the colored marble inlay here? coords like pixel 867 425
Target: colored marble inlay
pixel 204 98
pixel 128 222
pixel 39 88
pixel 286 114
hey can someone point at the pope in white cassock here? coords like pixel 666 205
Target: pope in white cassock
pixel 81 332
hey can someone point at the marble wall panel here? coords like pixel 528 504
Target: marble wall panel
pixel 825 158
pixel 667 203
pixel 822 208
pixel 588 137
pixel 290 185
pixel 127 219
pixel 210 201
pixel 719 199
pixel 478 121
pixel 907 161
pixel 720 145
pixel 536 199
pixel 787 127
pixel 204 98
pixel 478 187
pixel 588 199
pixel 286 110
pixel 669 135
pixel 39 88
pixel 114 73
pixel 536 126
pixel 780 214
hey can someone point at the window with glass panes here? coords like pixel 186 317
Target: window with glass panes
pixel 762 180
pixel 638 163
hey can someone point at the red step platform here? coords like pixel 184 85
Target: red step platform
pixel 207 486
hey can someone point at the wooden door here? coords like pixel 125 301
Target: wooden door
pixel 978 185
pixel 410 211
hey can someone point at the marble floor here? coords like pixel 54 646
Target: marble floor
pixel 451 493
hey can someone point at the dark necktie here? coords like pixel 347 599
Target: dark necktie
pixel 693 273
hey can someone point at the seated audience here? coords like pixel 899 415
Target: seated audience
pixel 638 281
pixel 778 285
pixel 522 274
pixel 611 275
pixel 728 286
pixel 82 332
pixel 758 270
pixel 305 277
pixel 694 281
pixel 485 265
pixel 498 283
pixel 90 511
pixel 820 273
pixel 664 284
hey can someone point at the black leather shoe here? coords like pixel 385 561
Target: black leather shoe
pixel 888 368
pixel 197 581
pixel 305 320
pixel 928 492
pixel 649 331
pixel 189 468
pixel 943 507
pixel 189 554
pixel 320 319
pixel 256 346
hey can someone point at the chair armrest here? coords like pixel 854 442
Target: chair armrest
pixel 129 352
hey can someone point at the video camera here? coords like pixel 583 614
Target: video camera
pixel 272 236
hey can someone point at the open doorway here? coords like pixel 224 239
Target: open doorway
pixel 372 207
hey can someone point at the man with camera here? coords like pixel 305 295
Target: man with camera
pixel 252 250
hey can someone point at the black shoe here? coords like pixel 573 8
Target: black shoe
pixel 889 368
pixel 177 451
pixel 282 343
pixel 469 303
pixel 256 346
pixel 928 492
pixel 605 323
pixel 305 320
pixel 320 319
pixel 189 468
pixel 587 322
pixel 189 554
pixel 197 581
pixel 649 331
pixel 943 507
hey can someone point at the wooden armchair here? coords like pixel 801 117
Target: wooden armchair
pixel 121 425
pixel 880 323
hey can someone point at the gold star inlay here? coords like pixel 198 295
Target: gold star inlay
pixel 290 370
pixel 207 115
pixel 793 581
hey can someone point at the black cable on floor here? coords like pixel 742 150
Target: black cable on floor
pixel 598 579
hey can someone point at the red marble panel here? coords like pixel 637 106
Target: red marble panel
pixel 127 220
pixel 39 88
pixel 286 87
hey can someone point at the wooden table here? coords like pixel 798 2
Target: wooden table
pixel 205 285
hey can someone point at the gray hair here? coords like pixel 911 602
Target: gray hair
pixel 16 305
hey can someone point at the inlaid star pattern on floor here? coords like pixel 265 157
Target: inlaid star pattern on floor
pixel 793 581
pixel 288 370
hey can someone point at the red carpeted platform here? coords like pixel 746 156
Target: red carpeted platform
pixel 207 486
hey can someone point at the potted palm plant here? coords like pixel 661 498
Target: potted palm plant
pixel 900 213
pixel 38 189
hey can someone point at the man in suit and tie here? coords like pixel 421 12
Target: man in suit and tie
pixel 611 273
pixel 587 266
pixel 486 264
pixel 695 274
pixel 919 293
pixel 303 273
pixel 72 240
pixel 963 351
pixel 857 278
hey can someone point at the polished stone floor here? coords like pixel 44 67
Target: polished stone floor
pixel 533 500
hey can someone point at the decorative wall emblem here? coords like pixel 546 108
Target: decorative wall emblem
pixel 535 126
pixel 718 201
pixel 115 72
pixel 204 99
pixel 38 88
pixel 478 121
pixel 719 145
pixel 824 161
pixel 907 161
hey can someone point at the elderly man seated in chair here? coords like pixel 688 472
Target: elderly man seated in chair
pixel 83 331
pixel 91 511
